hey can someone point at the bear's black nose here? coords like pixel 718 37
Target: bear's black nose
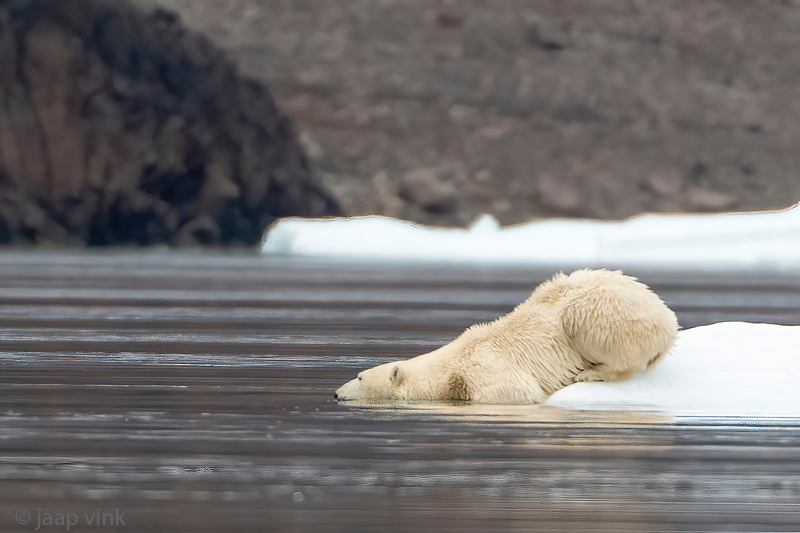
pixel 335 396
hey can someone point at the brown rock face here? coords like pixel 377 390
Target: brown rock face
pixel 120 127
pixel 529 109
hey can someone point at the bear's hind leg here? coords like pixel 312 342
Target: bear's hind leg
pixel 655 360
pixel 601 372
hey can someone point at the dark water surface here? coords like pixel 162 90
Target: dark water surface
pixel 193 392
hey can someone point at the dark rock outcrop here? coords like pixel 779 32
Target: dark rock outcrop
pixel 122 127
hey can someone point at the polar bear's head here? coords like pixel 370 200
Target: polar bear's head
pixel 384 382
pixel 436 375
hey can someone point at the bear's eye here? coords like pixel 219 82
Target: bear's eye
pixel 359 378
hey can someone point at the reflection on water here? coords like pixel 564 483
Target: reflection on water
pixel 153 385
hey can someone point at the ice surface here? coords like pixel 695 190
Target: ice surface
pixel 764 240
pixel 730 368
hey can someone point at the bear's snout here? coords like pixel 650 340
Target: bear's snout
pixel 348 391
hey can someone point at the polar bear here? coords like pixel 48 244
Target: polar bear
pixel 592 325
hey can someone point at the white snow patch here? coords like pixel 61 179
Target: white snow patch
pixel 765 240
pixel 730 368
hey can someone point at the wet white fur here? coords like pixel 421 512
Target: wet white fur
pixel 593 325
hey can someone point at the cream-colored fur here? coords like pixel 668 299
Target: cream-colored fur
pixel 593 325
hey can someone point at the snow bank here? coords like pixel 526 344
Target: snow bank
pixel 766 240
pixel 730 368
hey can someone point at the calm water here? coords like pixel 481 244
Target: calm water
pixel 193 392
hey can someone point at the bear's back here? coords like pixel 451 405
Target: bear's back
pixel 609 319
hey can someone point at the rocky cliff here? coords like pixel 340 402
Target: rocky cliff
pixel 122 126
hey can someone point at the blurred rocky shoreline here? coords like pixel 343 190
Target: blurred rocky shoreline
pixel 153 121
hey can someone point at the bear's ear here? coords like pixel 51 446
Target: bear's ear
pixel 396 377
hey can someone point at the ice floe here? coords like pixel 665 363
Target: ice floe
pixel 763 240
pixel 730 368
